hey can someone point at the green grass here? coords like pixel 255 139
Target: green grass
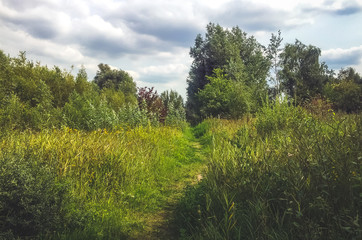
pixel 108 183
pixel 284 175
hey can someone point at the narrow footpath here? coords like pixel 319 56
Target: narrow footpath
pixel 161 225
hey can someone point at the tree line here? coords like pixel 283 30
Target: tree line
pixel 231 74
pixel 35 96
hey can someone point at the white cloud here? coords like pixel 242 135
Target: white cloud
pixel 151 39
pixel 340 58
pixel 165 69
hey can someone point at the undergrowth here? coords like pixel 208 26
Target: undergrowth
pixel 70 184
pixel 286 174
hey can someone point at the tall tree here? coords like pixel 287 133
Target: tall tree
pixel 345 92
pixel 118 80
pixel 302 76
pixel 349 74
pixel 175 109
pixel 241 57
pixel 113 78
pixel 172 98
pixel 149 100
pixel 274 51
pixel 81 81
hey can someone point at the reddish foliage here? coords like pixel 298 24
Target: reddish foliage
pixel 318 106
pixel 149 99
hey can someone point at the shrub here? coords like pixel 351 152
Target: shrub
pixel 31 198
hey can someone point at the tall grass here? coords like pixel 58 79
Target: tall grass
pixel 284 175
pixel 70 184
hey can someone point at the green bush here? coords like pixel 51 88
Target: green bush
pixel 31 198
pixel 277 116
pixel 88 112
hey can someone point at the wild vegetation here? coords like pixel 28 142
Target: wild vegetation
pixel 267 147
pixel 285 174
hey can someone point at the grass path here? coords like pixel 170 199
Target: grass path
pixel 161 224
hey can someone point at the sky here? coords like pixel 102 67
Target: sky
pixel 151 39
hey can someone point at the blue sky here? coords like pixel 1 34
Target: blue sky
pixel 151 39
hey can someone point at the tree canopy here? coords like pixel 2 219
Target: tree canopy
pixel 240 56
pixel 302 75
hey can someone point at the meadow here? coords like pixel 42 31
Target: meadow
pixel 70 184
pixel 267 145
pixel 285 174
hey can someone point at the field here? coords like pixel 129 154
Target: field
pixel 282 174
pixel 286 174
pixel 70 184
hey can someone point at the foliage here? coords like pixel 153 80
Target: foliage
pixel 81 82
pixel 70 184
pixel 240 56
pixel 149 100
pixel 279 176
pixel 223 98
pixel 31 197
pixel 132 116
pixel 111 78
pixel 28 99
pixel 302 76
pixel 345 92
pixel 175 109
pixel 274 52
pixel 88 112
pixel 319 107
pixel 36 97
pixel 117 80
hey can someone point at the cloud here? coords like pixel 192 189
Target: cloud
pixel 343 57
pixel 336 7
pixel 163 73
pixel 113 29
pixel 249 16
pixel 349 10
pixel 151 39
pixel 168 21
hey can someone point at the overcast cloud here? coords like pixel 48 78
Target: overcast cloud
pixel 151 39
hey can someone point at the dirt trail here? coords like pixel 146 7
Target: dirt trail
pixel 161 225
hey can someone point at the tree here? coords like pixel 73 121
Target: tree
pixel 61 84
pixel 175 109
pixel 172 97
pixel 118 80
pixel 149 100
pixel 274 51
pixel 111 78
pixel 81 81
pixel 222 97
pixel 346 91
pixel 302 76
pixel 349 74
pixel 241 57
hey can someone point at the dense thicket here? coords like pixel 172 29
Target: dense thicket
pixel 35 96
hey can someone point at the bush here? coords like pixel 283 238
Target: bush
pixel 31 198
pixel 277 116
